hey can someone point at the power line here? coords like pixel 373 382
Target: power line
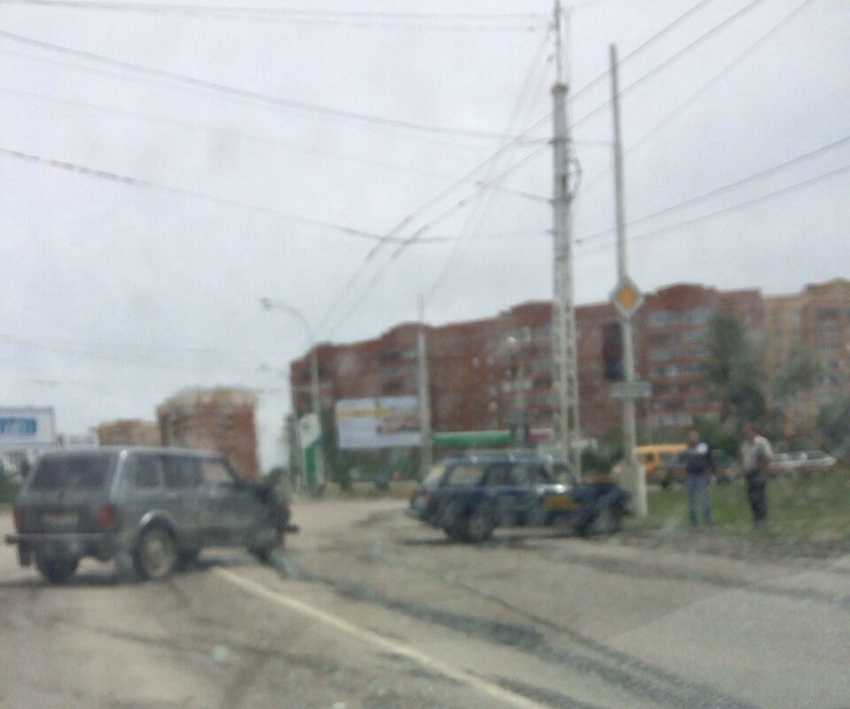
pixel 648 43
pixel 726 188
pixel 139 182
pixel 467 232
pixel 456 145
pixel 693 98
pixel 280 11
pixel 416 236
pixel 194 126
pixel 415 214
pixel 673 58
pixel 365 20
pixel 245 94
pixel 732 208
pixel 631 55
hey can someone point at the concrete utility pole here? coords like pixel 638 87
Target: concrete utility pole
pixel 628 298
pixel 427 454
pixel 564 356
pixel 315 390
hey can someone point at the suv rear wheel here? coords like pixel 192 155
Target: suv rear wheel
pixel 156 553
pixel 56 570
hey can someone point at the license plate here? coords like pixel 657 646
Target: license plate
pixel 59 519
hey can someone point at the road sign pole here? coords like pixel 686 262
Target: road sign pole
pixel 634 480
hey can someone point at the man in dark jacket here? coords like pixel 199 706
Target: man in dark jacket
pixel 698 466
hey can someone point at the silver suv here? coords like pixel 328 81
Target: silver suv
pixel 155 506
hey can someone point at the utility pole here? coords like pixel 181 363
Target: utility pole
pixel 564 355
pixel 427 453
pixel 627 300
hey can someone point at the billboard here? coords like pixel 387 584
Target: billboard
pixel 27 428
pixel 381 422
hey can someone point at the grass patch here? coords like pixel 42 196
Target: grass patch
pixel 813 507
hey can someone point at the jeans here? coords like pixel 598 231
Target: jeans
pixel 757 496
pixel 697 486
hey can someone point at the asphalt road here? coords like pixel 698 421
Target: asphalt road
pixel 368 610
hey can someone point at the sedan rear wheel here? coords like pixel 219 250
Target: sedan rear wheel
pixel 156 554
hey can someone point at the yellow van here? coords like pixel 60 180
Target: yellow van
pixel 659 462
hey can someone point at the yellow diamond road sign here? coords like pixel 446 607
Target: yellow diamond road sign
pixel 626 297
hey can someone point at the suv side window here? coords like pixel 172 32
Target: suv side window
pixel 539 476
pixel 498 475
pixel 216 472
pixel 521 474
pixel 182 472
pixel 465 476
pixel 145 472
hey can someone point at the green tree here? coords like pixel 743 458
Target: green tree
pixel 834 425
pixel 736 372
pixel 799 373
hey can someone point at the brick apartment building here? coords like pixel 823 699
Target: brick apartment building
pixel 216 419
pixel 482 372
pixel 129 432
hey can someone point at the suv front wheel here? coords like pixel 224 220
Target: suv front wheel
pixel 156 553
pixel 478 527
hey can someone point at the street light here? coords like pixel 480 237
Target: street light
pixel 269 304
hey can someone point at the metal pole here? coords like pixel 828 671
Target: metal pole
pixel 634 480
pixel 565 407
pixel 427 453
pixel 315 389
pixel 316 396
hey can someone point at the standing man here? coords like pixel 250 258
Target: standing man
pixel 698 465
pixel 756 455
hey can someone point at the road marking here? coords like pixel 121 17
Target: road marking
pixel 381 642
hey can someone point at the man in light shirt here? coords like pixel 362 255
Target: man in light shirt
pixel 756 455
pixel 698 465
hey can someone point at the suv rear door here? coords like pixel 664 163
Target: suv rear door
pixel 66 493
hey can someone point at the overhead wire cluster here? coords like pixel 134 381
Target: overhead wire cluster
pixel 479 184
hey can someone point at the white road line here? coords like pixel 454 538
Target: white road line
pixel 368 636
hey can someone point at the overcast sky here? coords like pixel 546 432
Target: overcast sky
pixel 117 295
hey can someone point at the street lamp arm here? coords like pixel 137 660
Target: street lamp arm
pixel 269 304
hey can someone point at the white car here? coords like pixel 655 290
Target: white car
pixel 818 460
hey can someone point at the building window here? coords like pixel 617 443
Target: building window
pixel 663 355
pixel 664 338
pixel 660 318
pixel 695 335
pixel 668 371
pixel 828 346
pixel 544 332
pixel 699 316
pixel 826 314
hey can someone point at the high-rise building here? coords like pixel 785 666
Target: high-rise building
pixel 128 432
pixel 496 372
pixel 214 419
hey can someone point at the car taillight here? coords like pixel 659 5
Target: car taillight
pixel 108 518
pixel 18 514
